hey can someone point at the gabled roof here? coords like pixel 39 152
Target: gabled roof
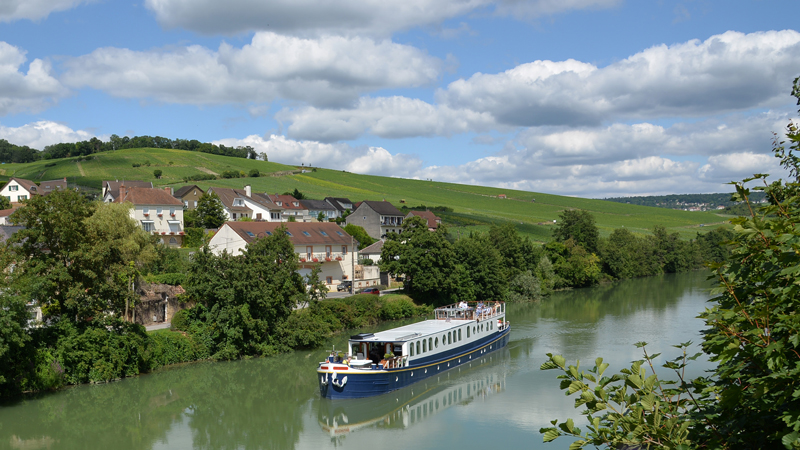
pixel 339 202
pixel 317 205
pixel 44 187
pixel 28 185
pixel 7 212
pixel 148 196
pixel 263 200
pixel 112 187
pixel 302 233
pixel 228 195
pixel 8 231
pixel 374 249
pixel 180 192
pixel 383 208
pixel 431 218
pixel 286 202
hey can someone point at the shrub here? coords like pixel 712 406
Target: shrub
pixel 173 278
pixel 180 321
pixel 168 347
pixel 254 173
pixel 525 287
pixel 230 174
pixel 200 177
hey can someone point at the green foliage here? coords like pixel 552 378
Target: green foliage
pixel 578 225
pixel 630 409
pixel 14 342
pixel 180 321
pixel 174 279
pixel 230 174
pixel 190 219
pixel 157 173
pixel 254 173
pixel 199 177
pixel 573 265
pixel 168 347
pixel 525 287
pixel 210 212
pixel 245 297
pixel 360 235
pixel 195 237
pixel 5 203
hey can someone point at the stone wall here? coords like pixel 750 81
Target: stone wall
pixel 158 303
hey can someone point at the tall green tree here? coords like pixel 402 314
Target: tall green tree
pixel 360 235
pixel 210 211
pixel 483 266
pixel 244 298
pixel 578 225
pixel 5 203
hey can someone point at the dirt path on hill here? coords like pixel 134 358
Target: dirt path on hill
pixel 80 168
pixel 208 171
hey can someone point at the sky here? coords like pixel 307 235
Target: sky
pixel 588 98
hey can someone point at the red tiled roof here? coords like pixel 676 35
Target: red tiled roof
pixel 333 233
pixel 429 217
pixel 147 196
pixel 287 201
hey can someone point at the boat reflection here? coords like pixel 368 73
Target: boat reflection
pixel 405 407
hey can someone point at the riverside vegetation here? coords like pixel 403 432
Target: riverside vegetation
pixel 752 398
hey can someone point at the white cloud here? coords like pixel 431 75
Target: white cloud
pixel 327 71
pixel 728 72
pixel 366 160
pixel 389 117
pixel 40 134
pixel 344 17
pixel 11 10
pixel 32 91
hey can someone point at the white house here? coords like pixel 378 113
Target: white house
pixel 18 190
pixel 157 211
pixel 111 188
pixel 323 243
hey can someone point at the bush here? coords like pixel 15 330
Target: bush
pixel 525 287
pixel 199 177
pixel 254 173
pixel 168 347
pixel 173 279
pixel 180 321
pixel 230 174
pixel 195 237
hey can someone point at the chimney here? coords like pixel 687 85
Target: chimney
pixel 123 192
pixel 168 189
pixel 65 179
pixel 248 191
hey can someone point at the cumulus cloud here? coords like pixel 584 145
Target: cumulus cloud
pixel 11 10
pixel 329 71
pixel 345 17
pixel 364 159
pixel 32 91
pixel 40 134
pixel 389 117
pixel 727 72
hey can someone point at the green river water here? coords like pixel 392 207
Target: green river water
pixel 498 402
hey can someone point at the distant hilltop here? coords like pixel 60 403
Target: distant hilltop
pixel 688 202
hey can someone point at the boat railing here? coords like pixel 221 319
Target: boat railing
pixel 470 311
pixel 395 362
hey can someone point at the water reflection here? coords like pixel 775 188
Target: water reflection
pixel 274 402
pixel 408 406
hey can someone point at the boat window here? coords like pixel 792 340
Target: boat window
pixel 418 347
pixel 436 342
pixel 473 330
pixel 467 332
pixel 481 328
pixel 412 349
pixel 448 338
pixel 430 344
pixel 424 346
pixel 459 334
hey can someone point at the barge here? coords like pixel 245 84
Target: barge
pixel 377 363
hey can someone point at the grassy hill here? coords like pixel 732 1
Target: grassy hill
pixel 475 207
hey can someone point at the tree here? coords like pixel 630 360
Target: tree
pixel 360 235
pixel 321 216
pixel 751 400
pixel 5 203
pixel 77 258
pixel 210 212
pixel 157 173
pixel 483 266
pixel 579 226
pixel 244 298
pixel 254 173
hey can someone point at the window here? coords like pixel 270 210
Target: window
pixel 172 211
pixel 269 233
pixel 289 234
pixel 344 249
pixel 328 251
pixel 436 342
pixel 467 332
pixel 340 233
pixel 147 225
pixel 418 347
pixel 14 188
pixel 412 349
pixel 323 233
pixel 328 280
pixel 481 328
pixel 195 203
pixel 159 211
pixel 173 241
pixel 424 346
pixel 275 216
pixel 449 341
pixel 186 204
pixel 22 197
pixel 250 233
pixel 145 210
pixel 430 343
pixel 459 334
pixel 238 202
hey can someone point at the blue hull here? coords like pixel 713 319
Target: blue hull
pixel 377 382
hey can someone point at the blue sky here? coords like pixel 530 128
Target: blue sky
pixel 590 98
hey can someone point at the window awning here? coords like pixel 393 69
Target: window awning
pixel 176 222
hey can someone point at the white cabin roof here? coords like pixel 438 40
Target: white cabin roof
pixel 413 331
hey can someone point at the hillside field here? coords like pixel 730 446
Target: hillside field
pixel 475 207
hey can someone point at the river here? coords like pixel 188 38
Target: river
pixel 274 403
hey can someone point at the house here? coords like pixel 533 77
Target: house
pixel 372 252
pixel 291 208
pixel 157 211
pixel 111 188
pixel 377 218
pixel 18 190
pixel 317 207
pixel 429 217
pixel 341 204
pixel 263 208
pixel 323 243
pixel 232 202
pixel 4 215
pixel 503 196
pixel 189 195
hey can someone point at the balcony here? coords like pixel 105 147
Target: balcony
pixel 322 257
